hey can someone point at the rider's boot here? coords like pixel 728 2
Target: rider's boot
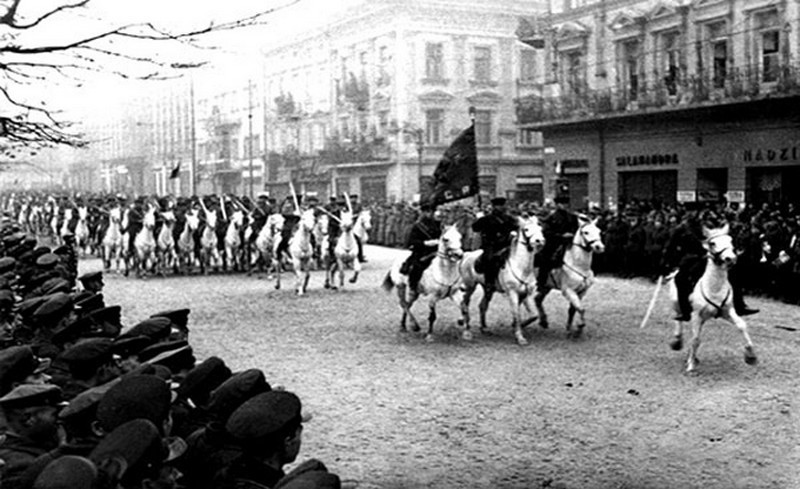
pixel 684 287
pixel 738 295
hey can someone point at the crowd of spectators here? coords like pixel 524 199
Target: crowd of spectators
pixel 87 403
pixel 767 238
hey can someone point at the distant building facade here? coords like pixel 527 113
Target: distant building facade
pixel 368 103
pixel 667 101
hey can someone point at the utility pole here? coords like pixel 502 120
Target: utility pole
pixel 250 128
pixel 193 166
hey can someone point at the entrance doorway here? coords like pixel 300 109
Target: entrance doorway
pixel 655 187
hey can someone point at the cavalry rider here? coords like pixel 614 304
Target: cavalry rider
pixel 559 229
pixel 495 230
pixel 290 220
pixel 259 215
pixel 423 239
pixel 334 208
pixel 135 218
pixel 684 250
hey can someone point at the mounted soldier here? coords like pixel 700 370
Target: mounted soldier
pixel 495 230
pixel 423 240
pixel 559 229
pixel 290 220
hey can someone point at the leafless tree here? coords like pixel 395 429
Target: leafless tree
pixel 30 59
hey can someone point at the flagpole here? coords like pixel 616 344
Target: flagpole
pixel 471 112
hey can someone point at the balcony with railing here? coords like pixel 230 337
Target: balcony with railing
pixel 660 94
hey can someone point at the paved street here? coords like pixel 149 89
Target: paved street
pixel 612 409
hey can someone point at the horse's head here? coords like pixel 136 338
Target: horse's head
pixel 346 220
pixel 169 218
pixel 83 213
pixel 211 219
pixel 237 218
pixel 450 244
pixel 115 215
pixel 588 235
pixel 530 233
pixel 365 218
pixel 719 245
pixel 149 220
pixel 307 219
pixel 192 220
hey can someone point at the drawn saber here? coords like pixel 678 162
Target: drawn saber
pixel 653 300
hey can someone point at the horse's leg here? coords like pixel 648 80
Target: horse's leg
pixel 465 299
pixel 677 337
pixel 296 265
pixel 539 301
pixel 405 305
pixel 694 344
pixel 431 316
pixel 749 353
pixel 574 306
pixel 356 270
pixel 516 323
pixel 307 275
pixel 276 266
pixel 529 306
pixel 484 306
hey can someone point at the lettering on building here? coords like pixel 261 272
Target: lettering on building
pixel 788 153
pixel 648 160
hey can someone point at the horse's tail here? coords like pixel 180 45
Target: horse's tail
pixel 388 283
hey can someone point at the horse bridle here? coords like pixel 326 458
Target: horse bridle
pixel 528 245
pixel 716 257
pixel 588 245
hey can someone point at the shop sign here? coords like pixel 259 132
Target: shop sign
pixel 788 153
pixel 686 196
pixel 735 196
pixel 648 160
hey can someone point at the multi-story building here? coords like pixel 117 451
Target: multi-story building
pixel 667 100
pixel 368 103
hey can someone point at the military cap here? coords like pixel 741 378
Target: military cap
pixel 155 350
pixel 157 328
pixel 85 404
pixel 14 238
pixel 48 260
pixel 265 417
pixel 41 250
pixel 135 396
pixel 179 317
pixel 55 284
pixel 87 301
pixel 31 395
pixel 164 373
pixel 178 358
pixel 16 364
pixel 68 472
pixel 236 390
pixel 28 306
pixel 91 276
pixel 498 201
pixel 7 264
pixel 6 298
pixel 88 353
pixel 107 320
pixel 54 308
pixel 131 345
pixel 81 295
pixel 137 442
pixel 310 479
pixel 62 250
pixel 29 242
pixel 202 379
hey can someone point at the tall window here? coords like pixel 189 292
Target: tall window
pixel 483 63
pixel 573 72
pixel 768 44
pixel 670 49
pixel 434 61
pixel 383 122
pixel 630 68
pixel 384 61
pixel 362 60
pixel 718 44
pixel 527 65
pixel 434 126
pixel 483 127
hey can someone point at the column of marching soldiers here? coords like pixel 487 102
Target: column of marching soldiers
pixel 86 403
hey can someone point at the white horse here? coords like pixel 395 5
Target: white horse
pixel 516 279
pixel 300 253
pixel 65 231
pixel 186 245
pixel 575 276
pixel 233 240
pixel 362 226
pixel 442 279
pixel 712 297
pixel 209 243
pixel 82 231
pixel 112 239
pixel 267 240
pixel 321 241
pixel 145 243
pixel 345 253
pixel 167 251
pixel 54 220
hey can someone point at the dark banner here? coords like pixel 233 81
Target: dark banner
pixel 456 175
